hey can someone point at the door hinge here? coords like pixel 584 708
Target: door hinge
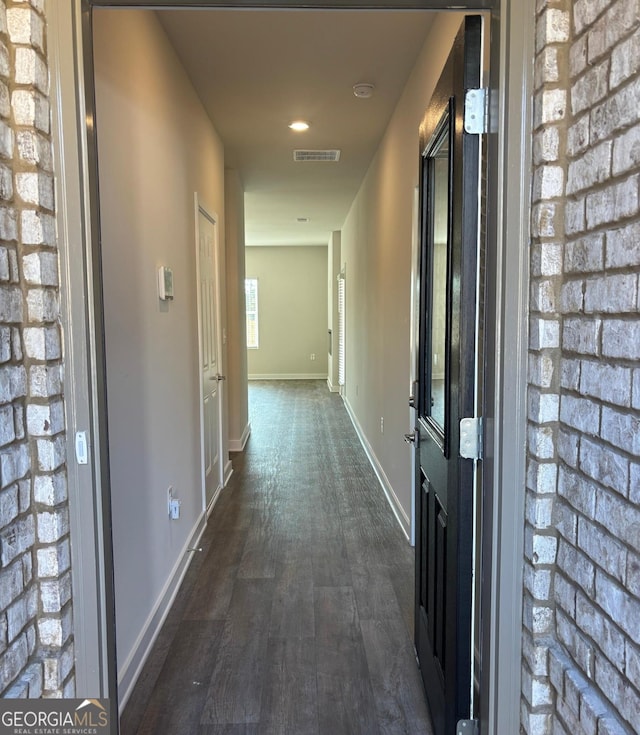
pixel 467 727
pixel 471 438
pixel 476 111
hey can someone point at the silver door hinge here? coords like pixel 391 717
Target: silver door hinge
pixel 476 111
pixel 467 727
pixel 471 438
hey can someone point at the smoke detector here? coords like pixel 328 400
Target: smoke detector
pixel 363 90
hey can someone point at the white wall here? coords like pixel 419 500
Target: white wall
pixel 333 270
pixel 236 322
pixel 292 311
pixel 376 250
pixel 156 147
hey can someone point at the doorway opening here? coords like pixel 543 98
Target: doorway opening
pixel 80 133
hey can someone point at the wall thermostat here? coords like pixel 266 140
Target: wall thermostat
pixel 165 283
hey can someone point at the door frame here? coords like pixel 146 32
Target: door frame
pixel 202 209
pixel 73 134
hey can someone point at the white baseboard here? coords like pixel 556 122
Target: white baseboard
pixel 131 668
pixel 333 388
pixel 238 445
pixel 228 471
pixel 288 376
pixel 402 518
pixel 214 498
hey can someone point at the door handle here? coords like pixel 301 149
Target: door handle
pixel 412 401
pixel 410 438
pixel 220 377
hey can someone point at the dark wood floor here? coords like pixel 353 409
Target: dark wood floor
pixel 296 617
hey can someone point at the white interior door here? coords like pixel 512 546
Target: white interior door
pixel 209 355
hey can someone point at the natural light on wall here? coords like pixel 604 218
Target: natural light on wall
pixel 251 302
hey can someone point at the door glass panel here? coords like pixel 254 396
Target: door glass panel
pixel 438 164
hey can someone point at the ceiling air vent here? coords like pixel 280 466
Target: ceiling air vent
pixel 327 155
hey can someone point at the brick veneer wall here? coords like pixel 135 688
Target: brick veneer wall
pixel 581 643
pixel 36 645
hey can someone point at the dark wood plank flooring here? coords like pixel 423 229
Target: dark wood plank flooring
pixel 296 618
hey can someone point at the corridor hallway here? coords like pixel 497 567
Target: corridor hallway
pixel 297 616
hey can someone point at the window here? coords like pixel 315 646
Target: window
pixel 341 329
pixel 251 305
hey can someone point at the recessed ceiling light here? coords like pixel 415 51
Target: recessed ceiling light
pixel 299 125
pixel 363 90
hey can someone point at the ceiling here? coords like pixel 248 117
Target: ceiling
pixel 257 70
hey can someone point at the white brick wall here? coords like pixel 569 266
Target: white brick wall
pixel 585 678
pixel 36 645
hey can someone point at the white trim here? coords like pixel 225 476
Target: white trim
pixel 333 388
pixel 215 496
pixel 288 376
pixel 511 72
pixel 93 630
pixel 403 519
pixel 238 445
pixel 131 668
pixel 228 471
